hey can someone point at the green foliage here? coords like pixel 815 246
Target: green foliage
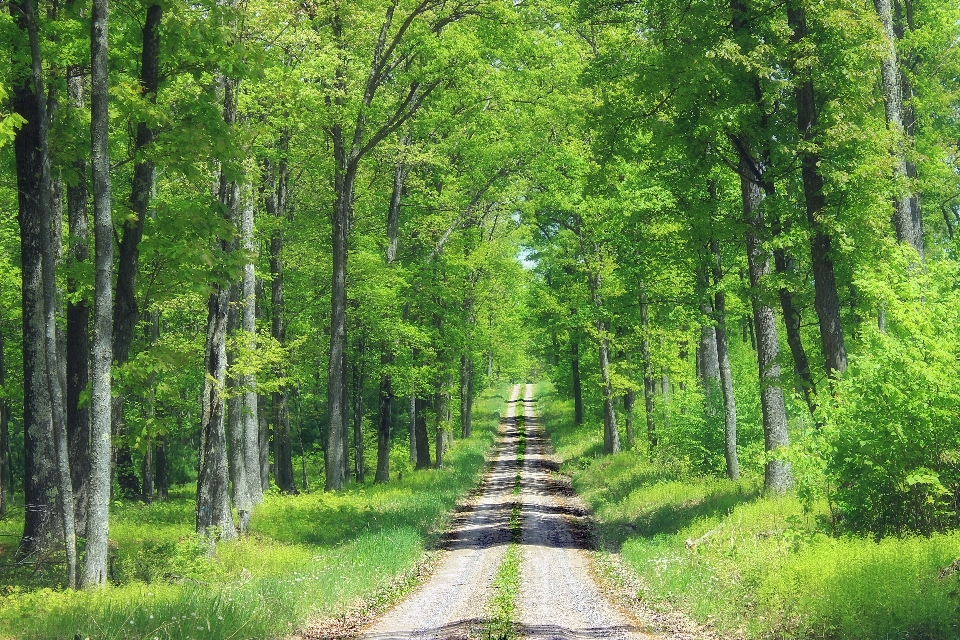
pixel 891 437
pixel 308 555
pixel 751 566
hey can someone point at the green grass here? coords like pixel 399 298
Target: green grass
pixel 308 556
pixel 749 565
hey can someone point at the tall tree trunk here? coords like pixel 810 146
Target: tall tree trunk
pixel 577 389
pixel 4 432
pixel 78 326
pixel 213 483
pixel 826 297
pixel 423 442
pixel 648 387
pixel 358 382
pixel 345 175
pixel 413 424
pixel 49 490
pixel 385 404
pixel 906 218
pixel 709 357
pixel 264 422
pixel 125 309
pixel 791 321
pixel 726 373
pixel 466 396
pixel 162 481
pixel 777 474
pixel 95 565
pixel 248 322
pixel 275 203
pixel 384 419
pixel 235 424
pixel 629 399
pixel 149 463
pixel 611 436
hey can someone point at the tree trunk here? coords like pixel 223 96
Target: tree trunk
pixel 466 396
pixel 826 297
pixel 213 482
pixel 78 327
pixel 906 218
pixel 264 423
pixel 611 436
pixel 385 404
pixel 95 565
pixel 648 388
pixel 248 322
pixel 384 418
pixel 4 432
pixel 358 382
pixel 413 425
pixel 275 202
pixel 423 443
pixel 577 389
pixel 162 483
pixel 791 321
pixel 629 399
pixel 726 374
pixel 235 423
pixel 125 309
pixel 709 359
pixel 777 474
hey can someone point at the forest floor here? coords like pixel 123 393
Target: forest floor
pixel 517 564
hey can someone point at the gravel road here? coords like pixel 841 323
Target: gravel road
pixel 558 598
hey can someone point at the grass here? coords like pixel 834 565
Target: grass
pixel 752 566
pixel 308 556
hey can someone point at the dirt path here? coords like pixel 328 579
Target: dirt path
pixel 557 598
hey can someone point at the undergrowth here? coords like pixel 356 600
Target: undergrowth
pixel 308 556
pixel 749 565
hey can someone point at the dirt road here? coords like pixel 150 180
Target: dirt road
pixel 557 596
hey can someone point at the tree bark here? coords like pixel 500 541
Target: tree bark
pixel 907 222
pixel 214 515
pixel 577 389
pixel 413 424
pixel 78 326
pixel 4 432
pixel 726 373
pixel 275 202
pixel 248 322
pixel 125 308
pixel 358 382
pixel 791 321
pixel 162 482
pixel 345 175
pixel 709 358
pixel 95 565
pixel 648 388
pixel 611 435
pixel 826 297
pixel 235 423
pixel 386 396
pixel 777 473
pixel 423 442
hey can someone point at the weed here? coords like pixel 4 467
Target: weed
pixel 761 567
pixel 308 555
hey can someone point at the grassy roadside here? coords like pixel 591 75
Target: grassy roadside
pixel 751 566
pixel 309 556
